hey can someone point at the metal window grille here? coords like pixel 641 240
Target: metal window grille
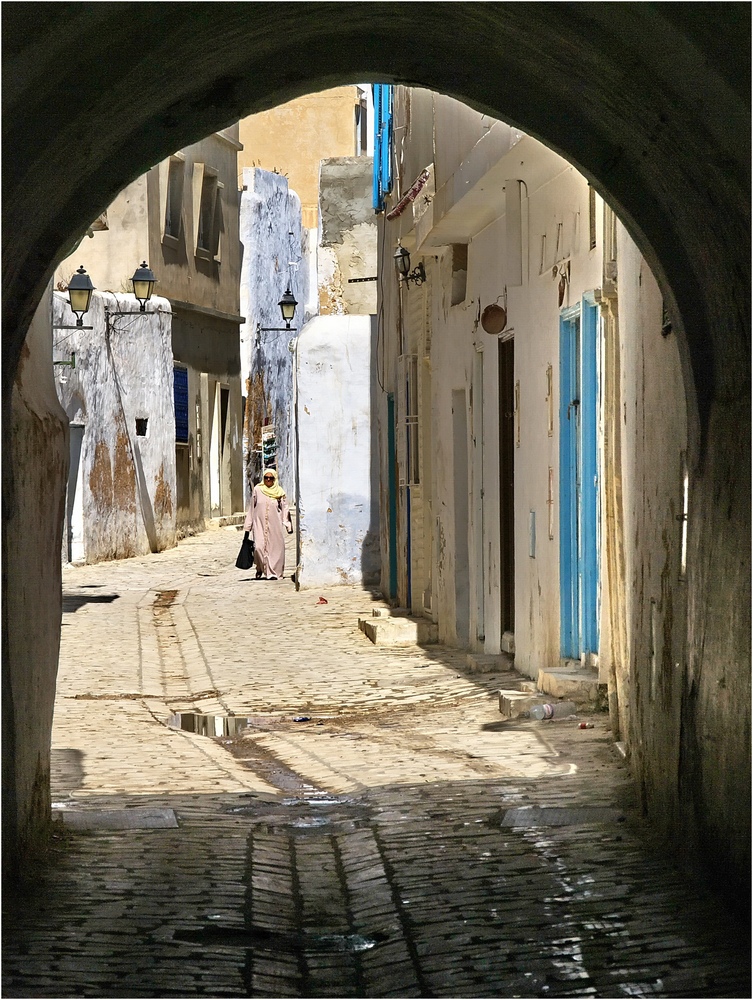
pixel 408 459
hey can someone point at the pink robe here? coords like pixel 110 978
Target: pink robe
pixel 267 520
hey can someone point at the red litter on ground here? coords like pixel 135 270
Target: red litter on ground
pixel 322 600
pixel 586 725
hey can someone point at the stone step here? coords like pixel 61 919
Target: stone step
pixel 513 703
pixel 579 686
pixel 393 631
pixel 489 663
pixel 226 521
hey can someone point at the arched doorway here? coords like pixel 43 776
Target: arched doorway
pixel 650 102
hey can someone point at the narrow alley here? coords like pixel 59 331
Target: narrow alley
pixel 363 823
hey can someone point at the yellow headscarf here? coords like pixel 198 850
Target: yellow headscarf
pixel 275 491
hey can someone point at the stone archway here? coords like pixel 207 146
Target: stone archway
pixel 649 101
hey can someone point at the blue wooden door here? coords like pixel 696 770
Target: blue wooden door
pixel 589 556
pixel 579 508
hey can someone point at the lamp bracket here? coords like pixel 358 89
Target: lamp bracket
pixel 73 326
pixel 417 275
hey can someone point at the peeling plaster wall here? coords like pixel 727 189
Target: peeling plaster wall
pixel 124 372
pixel 272 238
pixel 655 439
pixel 33 518
pixel 338 475
pixel 347 246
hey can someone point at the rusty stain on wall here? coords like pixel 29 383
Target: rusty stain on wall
pixel 124 476
pixel 163 501
pixel 257 414
pixel 100 477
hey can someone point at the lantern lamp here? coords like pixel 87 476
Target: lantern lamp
pixel 287 306
pixel 143 284
pixel 402 261
pixel 401 258
pixel 80 290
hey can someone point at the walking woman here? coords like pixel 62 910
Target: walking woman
pixel 267 519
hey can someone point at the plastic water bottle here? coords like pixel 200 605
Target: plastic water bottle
pixel 558 710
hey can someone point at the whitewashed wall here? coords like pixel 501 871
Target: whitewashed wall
pixel 123 372
pixel 338 475
pixel 275 255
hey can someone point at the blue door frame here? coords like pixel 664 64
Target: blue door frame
pixel 579 489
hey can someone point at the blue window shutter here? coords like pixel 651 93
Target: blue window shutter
pixel 382 143
pixel 387 140
pixel 377 168
pixel 180 395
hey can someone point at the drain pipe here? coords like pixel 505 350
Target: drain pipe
pixel 293 348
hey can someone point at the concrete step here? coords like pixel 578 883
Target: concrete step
pixel 489 663
pixel 580 686
pixel 394 631
pixel 226 521
pixel 513 703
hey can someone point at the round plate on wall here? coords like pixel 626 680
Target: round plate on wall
pixel 494 318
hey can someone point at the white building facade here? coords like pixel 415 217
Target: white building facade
pixel 515 458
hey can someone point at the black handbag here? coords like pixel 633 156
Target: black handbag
pixel 245 558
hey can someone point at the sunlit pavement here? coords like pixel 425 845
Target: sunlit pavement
pixel 376 829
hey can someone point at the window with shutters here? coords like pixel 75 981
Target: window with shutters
pixel 208 214
pixel 174 201
pixel 180 396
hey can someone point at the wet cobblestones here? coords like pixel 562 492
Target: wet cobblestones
pixel 381 865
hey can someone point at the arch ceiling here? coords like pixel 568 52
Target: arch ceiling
pixel 649 100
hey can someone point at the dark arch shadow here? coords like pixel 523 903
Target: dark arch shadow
pixel 649 101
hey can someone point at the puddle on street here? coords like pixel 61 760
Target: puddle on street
pixel 295 940
pixel 229 730
pixel 214 726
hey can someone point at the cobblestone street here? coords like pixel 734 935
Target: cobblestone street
pixel 401 839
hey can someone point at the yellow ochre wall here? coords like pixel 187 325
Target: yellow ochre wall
pixel 292 138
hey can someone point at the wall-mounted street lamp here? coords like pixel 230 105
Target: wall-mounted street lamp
pixel 287 306
pixel 143 281
pixel 143 284
pixel 402 266
pixel 80 290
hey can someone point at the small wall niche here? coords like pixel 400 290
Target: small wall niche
pixel 459 272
